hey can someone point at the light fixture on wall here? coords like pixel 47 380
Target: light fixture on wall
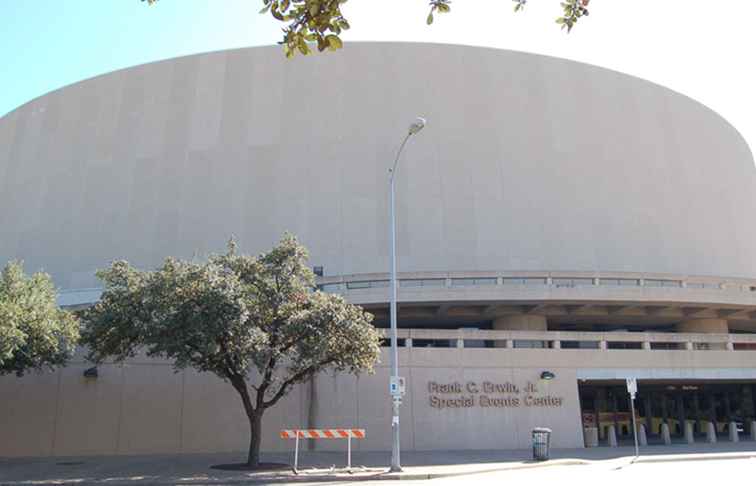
pixel 547 375
pixel 91 372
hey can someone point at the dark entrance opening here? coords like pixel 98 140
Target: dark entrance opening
pixel 606 402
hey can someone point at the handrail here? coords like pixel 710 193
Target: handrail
pixel 645 338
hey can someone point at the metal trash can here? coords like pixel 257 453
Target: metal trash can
pixel 541 442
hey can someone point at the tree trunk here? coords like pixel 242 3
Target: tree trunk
pixel 255 438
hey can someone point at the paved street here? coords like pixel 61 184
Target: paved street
pixel 614 473
pixel 694 464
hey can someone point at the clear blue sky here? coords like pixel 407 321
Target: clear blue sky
pixel 46 44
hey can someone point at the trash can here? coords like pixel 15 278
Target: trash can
pixel 541 441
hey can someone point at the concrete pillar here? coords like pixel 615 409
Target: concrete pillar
pixel 665 434
pixel 460 343
pixel 716 326
pixel 689 432
pixel 697 413
pixel 733 432
pixel 647 345
pixel 753 430
pixel 681 415
pixel 556 344
pixel 642 439
pixel 590 435
pixel 408 343
pixel 648 411
pixel 711 433
pixel 520 322
pixel 612 436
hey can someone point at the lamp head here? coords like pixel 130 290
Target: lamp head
pixel 417 125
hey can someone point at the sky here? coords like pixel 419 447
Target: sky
pixel 702 48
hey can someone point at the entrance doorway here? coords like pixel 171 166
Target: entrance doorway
pixel 606 402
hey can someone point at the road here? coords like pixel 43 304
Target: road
pixel 613 473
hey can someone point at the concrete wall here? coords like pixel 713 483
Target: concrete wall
pixel 527 163
pixel 144 407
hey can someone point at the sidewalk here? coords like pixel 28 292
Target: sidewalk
pixel 193 469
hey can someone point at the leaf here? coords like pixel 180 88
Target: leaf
pixel 429 20
pixel 333 42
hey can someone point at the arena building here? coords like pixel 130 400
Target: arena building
pixel 561 227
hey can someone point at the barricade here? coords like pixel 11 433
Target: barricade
pixel 347 434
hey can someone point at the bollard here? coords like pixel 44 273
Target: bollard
pixel 689 438
pixel 666 437
pixel 612 436
pixel 642 440
pixel 590 434
pixel 733 432
pixel 753 430
pixel 711 433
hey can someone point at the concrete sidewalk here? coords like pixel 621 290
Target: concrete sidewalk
pixel 193 469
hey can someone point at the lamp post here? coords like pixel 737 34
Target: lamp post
pixel 394 387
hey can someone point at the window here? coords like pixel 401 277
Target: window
pixel 430 282
pixel 370 284
pixel 571 282
pixel 462 282
pixel 333 288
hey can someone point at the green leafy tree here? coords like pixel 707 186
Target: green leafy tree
pixel 319 23
pixel 35 334
pixel 255 322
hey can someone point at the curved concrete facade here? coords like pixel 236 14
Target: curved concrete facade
pixel 528 163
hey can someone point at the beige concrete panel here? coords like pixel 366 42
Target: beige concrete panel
pixel 335 406
pixel 212 417
pixel 526 322
pixel 88 411
pixel 151 409
pixel 718 326
pixel 286 413
pixel 207 107
pixel 29 420
pixel 528 188
pixel 374 405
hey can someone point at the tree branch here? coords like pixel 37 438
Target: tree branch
pixel 295 379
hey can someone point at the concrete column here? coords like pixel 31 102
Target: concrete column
pixel 689 433
pixel 716 326
pixel 642 439
pixel 556 345
pixel 697 413
pixel 460 343
pixel 733 432
pixel 681 415
pixel 753 430
pixel 408 343
pixel 648 411
pixel 602 345
pixel 612 436
pixel 711 433
pixel 520 322
pixel 647 345
pixel 509 343
pixel 665 434
pixel 590 434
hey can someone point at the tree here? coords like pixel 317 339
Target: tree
pixel 256 322
pixel 35 333
pixel 321 22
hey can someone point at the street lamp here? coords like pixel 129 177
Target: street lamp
pixel 396 385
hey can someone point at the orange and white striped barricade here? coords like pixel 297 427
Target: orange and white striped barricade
pixel 347 434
